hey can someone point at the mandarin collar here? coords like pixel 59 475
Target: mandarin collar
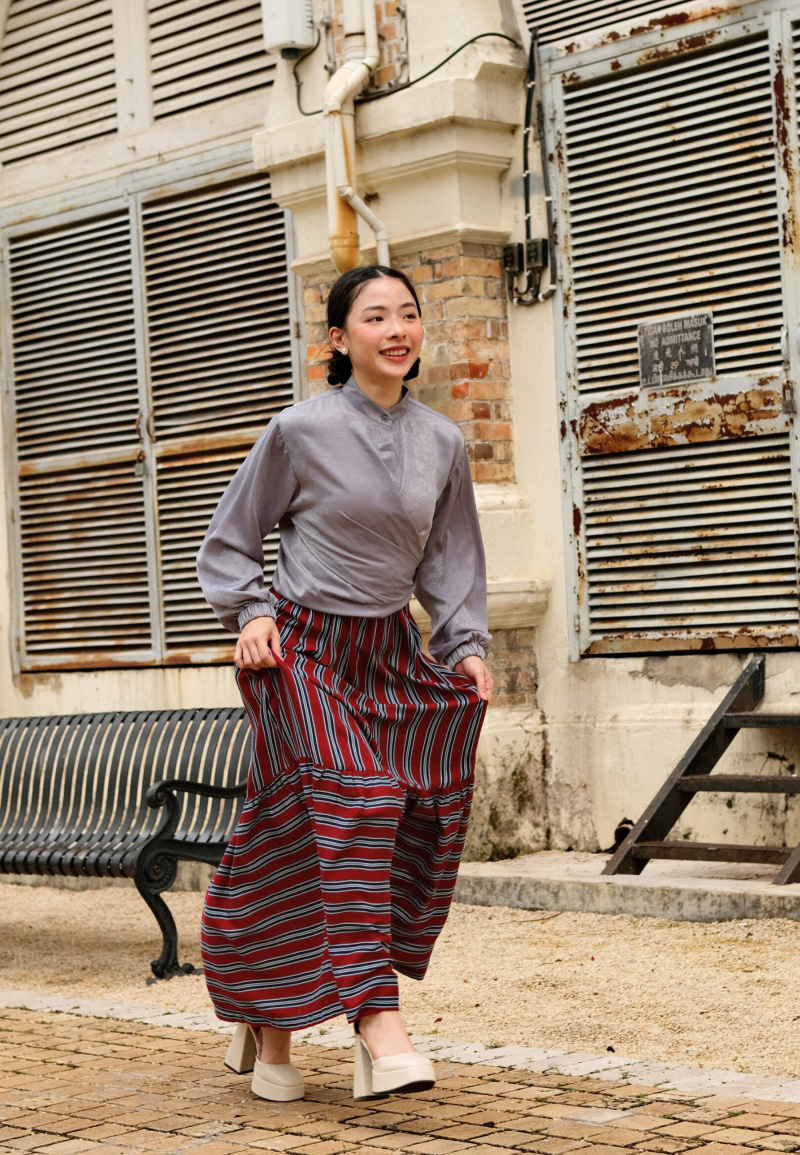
pixel 364 404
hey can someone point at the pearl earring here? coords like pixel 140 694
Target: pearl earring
pixel 344 351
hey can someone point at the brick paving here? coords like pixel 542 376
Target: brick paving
pixel 70 1084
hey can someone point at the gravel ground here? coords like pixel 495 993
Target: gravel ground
pixel 723 995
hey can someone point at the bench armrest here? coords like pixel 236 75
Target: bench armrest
pixel 159 793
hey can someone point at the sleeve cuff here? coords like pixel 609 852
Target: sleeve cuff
pixel 256 610
pixel 465 650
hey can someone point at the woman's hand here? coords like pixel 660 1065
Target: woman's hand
pixel 474 668
pixel 259 645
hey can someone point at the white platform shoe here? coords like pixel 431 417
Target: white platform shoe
pixel 279 1082
pixel 393 1075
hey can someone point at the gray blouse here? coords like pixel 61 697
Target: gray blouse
pixel 372 505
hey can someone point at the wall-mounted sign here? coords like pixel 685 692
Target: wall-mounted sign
pixel 677 348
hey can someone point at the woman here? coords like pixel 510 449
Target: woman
pixel 341 870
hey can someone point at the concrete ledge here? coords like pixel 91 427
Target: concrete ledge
pixel 511 605
pixel 557 880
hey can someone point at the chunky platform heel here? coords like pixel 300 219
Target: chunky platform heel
pixel 278 1082
pixel 392 1075
pixel 243 1051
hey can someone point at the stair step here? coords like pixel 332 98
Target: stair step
pixel 711 852
pixel 761 721
pixel 741 783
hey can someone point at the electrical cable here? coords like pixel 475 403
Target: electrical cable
pixel 548 196
pixel 532 294
pixel 298 82
pixel 410 83
pixel 436 67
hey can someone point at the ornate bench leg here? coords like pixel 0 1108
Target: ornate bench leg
pixel 154 873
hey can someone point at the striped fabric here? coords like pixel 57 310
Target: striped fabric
pixel 341 870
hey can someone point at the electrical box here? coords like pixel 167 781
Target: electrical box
pixel 288 26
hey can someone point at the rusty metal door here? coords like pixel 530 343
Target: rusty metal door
pixel 674 154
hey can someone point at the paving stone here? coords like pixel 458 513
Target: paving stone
pixel 685 1130
pixel 751 1119
pixel 776 1143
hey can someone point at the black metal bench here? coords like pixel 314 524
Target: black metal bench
pixel 122 795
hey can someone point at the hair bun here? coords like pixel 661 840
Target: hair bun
pixel 339 367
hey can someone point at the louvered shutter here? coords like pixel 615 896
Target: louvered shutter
pixel 84 574
pixel 220 342
pixel 57 83
pixel 683 499
pixel 205 50
pixel 558 19
pixel 150 346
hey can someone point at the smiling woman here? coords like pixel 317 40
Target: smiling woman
pixel 342 868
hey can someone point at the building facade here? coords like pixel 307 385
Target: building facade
pixel 165 265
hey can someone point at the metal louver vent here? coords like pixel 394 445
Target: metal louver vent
pixel 73 338
pixel 672 206
pixel 697 539
pixel 84 562
pixel 189 490
pixel 558 19
pixel 218 309
pixel 205 50
pixel 57 83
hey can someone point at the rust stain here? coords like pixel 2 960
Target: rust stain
pixel 570 48
pixel 563 430
pixel 570 78
pixel 637 643
pixel 716 418
pixel 615 66
pixel 617 425
pixel 673 20
pixel 576 520
pixel 783 147
pixel 611 426
pixel 679 48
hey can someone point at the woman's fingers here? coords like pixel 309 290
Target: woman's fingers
pixel 259 645
pixel 474 668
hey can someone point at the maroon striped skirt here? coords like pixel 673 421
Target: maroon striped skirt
pixel 342 867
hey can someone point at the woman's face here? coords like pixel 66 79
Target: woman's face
pixel 383 333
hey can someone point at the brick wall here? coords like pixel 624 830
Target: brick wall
pixel 465 368
pixel 513 667
pixel 393 65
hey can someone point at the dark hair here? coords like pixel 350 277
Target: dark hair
pixel 340 302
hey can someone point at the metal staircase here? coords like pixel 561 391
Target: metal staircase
pixel 692 775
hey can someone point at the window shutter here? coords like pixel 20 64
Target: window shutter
pixel 150 346
pixel 84 585
pixel 698 539
pixel 682 494
pixel 688 151
pixel 218 309
pixel 205 50
pixel 57 83
pixel 84 565
pixel 557 19
pixel 189 490
pixel 220 342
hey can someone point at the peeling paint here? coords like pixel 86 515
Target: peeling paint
pixel 783 148
pixel 678 416
pixel 679 48
pixel 742 640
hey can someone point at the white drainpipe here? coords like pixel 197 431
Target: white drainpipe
pixel 362 53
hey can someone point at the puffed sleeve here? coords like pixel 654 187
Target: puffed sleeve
pixel 230 564
pixel 450 581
